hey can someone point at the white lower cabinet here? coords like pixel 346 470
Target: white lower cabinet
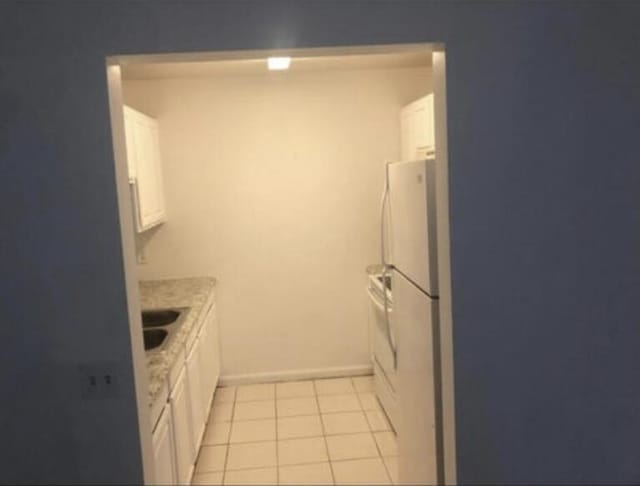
pixel 192 381
pixel 205 368
pixel 181 415
pixel 214 350
pixel 209 358
pixel 194 377
pixel 164 450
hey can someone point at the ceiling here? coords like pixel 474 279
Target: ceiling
pixel 182 69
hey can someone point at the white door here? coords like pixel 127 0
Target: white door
pixel 163 449
pixel 414 316
pixel 416 129
pixel 207 363
pixel 423 124
pixel 145 168
pixel 194 377
pixel 149 172
pixel 413 222
pixel 180 414
pixel 213 347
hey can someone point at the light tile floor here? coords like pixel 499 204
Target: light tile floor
pixel 330 431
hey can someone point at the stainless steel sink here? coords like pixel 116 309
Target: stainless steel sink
pixel 160 325
pixel 154 338
pixel 160 317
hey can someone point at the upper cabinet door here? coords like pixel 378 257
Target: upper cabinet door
pixel 129 130
pixel 406 134
pixel 424 123
pixel 417 135
pixel 145 169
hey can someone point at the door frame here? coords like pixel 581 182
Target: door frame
pixel 114 66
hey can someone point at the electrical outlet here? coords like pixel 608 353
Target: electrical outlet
pixel 98 380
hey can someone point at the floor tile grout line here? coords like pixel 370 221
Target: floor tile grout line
pixel 234 402
pixel 386 468
pixel 252 419
pixel 349 459
pixel 208 423
pixel 315 436
pixel 384 464
pixel 275 406
pixel 324 434
pixel 360 458
pixel 302 438
pixel 226 457
pixel 306 463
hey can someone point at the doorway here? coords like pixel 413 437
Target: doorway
pixel 119 64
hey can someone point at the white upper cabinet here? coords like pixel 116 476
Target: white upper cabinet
pixel 417 135
pixel 145 169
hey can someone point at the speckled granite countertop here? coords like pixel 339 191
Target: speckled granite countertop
pixel 181 292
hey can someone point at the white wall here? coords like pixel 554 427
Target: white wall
pixel 273 184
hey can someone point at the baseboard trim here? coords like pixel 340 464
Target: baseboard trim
pixel 289 375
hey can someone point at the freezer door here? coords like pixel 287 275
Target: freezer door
pixel 415 314
pixel 412 222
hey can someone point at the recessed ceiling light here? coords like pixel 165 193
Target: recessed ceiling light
pixel 278 63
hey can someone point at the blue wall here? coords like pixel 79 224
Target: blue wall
pixel 544 130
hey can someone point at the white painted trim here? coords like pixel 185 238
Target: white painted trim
pixel 125 212
pixel 237 55
pixel 444 265
pixel 126 224
pixel 289 375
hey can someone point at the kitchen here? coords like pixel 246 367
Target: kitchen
pixel 271 185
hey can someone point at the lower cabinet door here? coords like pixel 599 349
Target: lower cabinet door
pixel 194 376
pixel 214 349
pixel 181 420
pixel 164 449
pixel 209 358
pixel 206 376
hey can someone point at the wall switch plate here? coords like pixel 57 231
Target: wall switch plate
pixel 98 380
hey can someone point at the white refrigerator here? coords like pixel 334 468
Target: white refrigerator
pixel 412 263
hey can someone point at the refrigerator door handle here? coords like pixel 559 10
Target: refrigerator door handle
pixel 383 206
pixel 392 345
pixel 385 268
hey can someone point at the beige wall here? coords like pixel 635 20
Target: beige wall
pixel 272 185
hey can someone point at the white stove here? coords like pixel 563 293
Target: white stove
pixel 383 341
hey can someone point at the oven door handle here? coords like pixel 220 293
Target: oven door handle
pixel 375 300
pixel 381 323
pixel 385 266
pixel 384 309
pixel 383 206
pixel 392 344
